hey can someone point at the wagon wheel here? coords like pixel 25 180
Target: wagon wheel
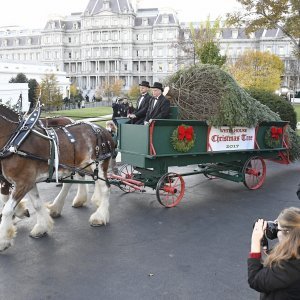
pixel 170 189
pixel 127 172
pixel 254 171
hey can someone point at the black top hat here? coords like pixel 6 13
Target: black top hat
pixel 145 83
pixel 157 85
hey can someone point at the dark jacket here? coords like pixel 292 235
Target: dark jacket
pixel 275 283
pixel 116 110
pixel 141 110
pixel 161 109
pixel 124 109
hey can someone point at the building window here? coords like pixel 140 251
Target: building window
pixel 125 67
pixel 70 40
pixel 269 49
pixel 281 50
pixel 70 55
pixel 145 21
pixel 165 19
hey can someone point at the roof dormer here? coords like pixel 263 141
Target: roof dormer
pixel 234 33
pixel 165 19
pixel 106 5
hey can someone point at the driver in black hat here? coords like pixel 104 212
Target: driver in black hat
pixel 142 104
pixel 159 107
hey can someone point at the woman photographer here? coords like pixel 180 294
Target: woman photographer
pixel 278 277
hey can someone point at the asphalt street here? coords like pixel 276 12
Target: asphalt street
pixel 197 250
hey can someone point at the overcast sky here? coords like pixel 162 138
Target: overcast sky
pixel 35 13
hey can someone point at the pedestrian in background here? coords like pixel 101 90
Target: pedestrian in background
pixel 130 108
pixel 124 107
pixel 116 106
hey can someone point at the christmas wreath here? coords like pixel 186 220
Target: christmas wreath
pixel 273 137
pixel 183 138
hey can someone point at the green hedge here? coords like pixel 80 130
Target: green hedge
pixel 277 104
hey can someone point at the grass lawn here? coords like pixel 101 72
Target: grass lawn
pixel 82 113
pixel 297 109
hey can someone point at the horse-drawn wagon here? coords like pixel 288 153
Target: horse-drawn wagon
pixel 237 154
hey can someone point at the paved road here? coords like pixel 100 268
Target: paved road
pixel 197 250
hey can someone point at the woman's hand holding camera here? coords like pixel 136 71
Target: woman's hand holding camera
pixel 257 235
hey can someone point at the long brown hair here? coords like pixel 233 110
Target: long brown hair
pixel 289 247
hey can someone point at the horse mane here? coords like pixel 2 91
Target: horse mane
pixel 9 113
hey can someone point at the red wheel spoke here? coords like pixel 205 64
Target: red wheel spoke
pixel 254 173
pixel 170 189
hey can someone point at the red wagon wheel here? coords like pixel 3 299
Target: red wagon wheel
pixel 254 171
pixel 170 189
pixel 127 172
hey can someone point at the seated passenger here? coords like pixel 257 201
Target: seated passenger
pixel 138 116
pixel 159 107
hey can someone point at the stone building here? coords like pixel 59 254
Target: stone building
pixel 110 40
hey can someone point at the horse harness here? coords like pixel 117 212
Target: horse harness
pixel 26 126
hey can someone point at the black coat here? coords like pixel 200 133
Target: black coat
pixel 275 283
pixel 141 111
pixel 116 110
pixel 161 109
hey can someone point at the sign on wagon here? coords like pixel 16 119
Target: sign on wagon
pixel 229 139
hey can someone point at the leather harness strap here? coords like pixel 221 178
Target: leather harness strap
pixel 20 134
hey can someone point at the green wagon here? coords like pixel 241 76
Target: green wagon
pixel 235 154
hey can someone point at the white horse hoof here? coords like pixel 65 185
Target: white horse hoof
pixel 54 213
pixel 38 236
pixel 4 245
pixel 77 204
pixel 96 224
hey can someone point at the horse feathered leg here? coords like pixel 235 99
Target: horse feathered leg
pixel 82 193
pixel 57 205
pixel 44 222
pixel 7 228
pixel 21 211
pixel 101 199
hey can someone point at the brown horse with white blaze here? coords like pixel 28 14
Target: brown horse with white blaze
pixel 28 165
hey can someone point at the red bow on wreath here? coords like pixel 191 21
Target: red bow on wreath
pixel 185 132
pixel 276 132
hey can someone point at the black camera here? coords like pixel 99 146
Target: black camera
pixel 271 230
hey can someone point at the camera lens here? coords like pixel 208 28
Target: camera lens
pixel 271 230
